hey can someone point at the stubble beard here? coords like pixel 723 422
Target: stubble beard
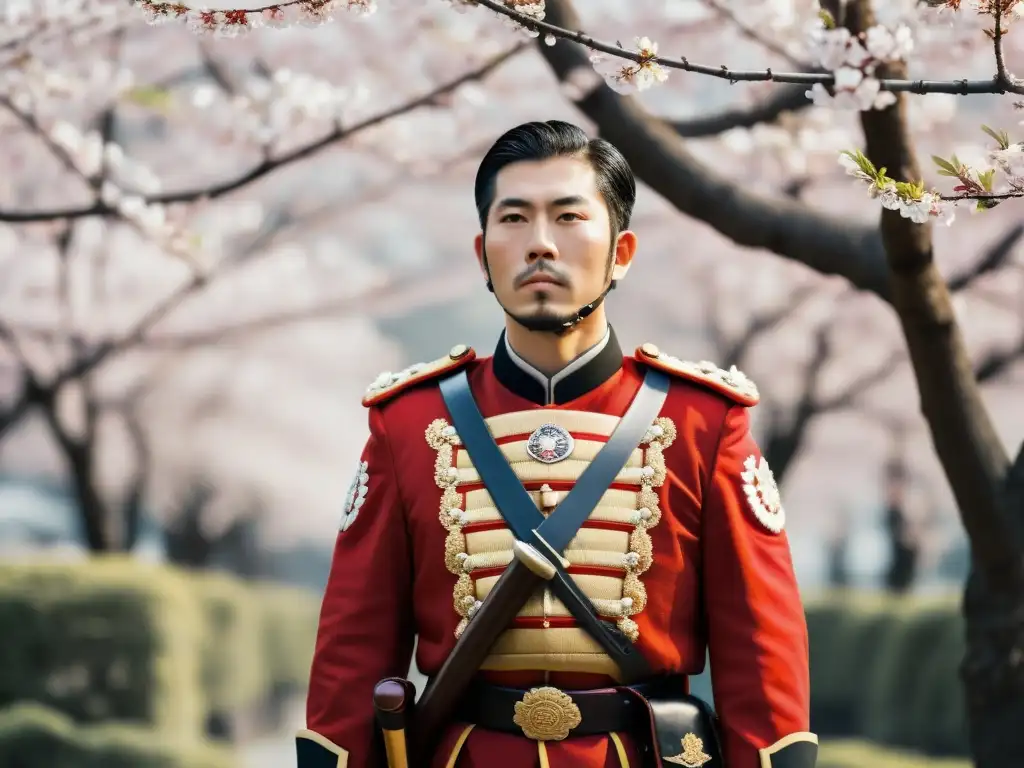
pixel 543 319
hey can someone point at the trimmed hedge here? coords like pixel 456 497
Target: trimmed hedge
pixel 33 736
pixel 861 754
pixel 233 667
pixel 886 669
pixel 111 639
pixel 117 639
pixel 289 618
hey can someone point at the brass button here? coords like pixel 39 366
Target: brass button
pixel 650 350
pixel 459 350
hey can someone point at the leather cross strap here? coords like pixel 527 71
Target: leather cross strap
pixel 553 534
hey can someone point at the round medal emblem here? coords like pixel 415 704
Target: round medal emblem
pixel 550 443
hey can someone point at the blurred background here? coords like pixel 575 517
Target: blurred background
pixel 212 241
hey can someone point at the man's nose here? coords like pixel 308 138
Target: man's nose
pixel 542 244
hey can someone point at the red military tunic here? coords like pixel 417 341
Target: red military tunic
pixel 686 553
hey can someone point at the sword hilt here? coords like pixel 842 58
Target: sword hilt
pixel 532 558
pixel 392 699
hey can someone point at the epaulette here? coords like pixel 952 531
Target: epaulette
pixel 388 384
pixel 732 383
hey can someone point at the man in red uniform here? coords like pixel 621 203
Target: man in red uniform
pixel 684 554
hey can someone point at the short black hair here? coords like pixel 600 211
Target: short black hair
pixel 557 138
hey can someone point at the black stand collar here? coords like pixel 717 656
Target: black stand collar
pixel 586 372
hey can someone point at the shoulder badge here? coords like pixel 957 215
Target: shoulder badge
pixel 732 383
pixel 388 384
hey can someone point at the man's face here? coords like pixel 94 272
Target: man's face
pixel 548 240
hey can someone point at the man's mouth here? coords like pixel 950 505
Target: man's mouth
pixel 542 280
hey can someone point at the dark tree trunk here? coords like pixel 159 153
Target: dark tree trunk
pixel 100 527
pixel 187 545
pixel 838 571
pixel 903 552
pixel 968 446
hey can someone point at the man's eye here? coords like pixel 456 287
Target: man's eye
pixel 511 217
pixel 572 216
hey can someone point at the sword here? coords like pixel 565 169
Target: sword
pixel 393 697
pixel 441 696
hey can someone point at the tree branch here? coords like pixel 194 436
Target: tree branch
pixel 764 322
pixel 828 245
pixel 784 437
pixel 788 99
pixel 398 292
pixel 1003 76
pixel 996 257
pixel 565 31
pixel 375 302
pixel 10 340
pixel 239 17
pixel 994 364
pixel 860 384
pixel 270 165
pixel 753 34
pixel 782 100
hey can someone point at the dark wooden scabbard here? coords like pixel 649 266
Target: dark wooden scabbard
pixel 441 697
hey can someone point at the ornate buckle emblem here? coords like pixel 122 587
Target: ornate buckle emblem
pixel 546 714
pixel 693 755
pixel 550 443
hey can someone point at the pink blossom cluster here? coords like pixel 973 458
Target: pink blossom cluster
pixel 853 61
pixel 230 23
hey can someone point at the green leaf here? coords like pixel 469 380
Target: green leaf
pixel 986 179
pixel 149 96
pixel 1002 138
pixel 945 165
pixel 862 162
pixel 827 19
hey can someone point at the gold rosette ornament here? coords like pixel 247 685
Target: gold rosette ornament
pixel 546 714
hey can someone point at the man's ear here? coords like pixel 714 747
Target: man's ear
pixel 625 250
pixel 478 246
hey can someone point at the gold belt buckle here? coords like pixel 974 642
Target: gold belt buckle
pixel 546 714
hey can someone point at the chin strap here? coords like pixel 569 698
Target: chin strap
pixel 586 310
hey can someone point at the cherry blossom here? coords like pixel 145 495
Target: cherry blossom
pixel 853 62
pixel 626 77
pixel 850 83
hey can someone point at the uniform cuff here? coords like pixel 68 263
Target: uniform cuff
pixel 316 751
pixel 797 750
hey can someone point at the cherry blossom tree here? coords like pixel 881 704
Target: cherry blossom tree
pixel 115 290
pixel 829 376
pixel 859 64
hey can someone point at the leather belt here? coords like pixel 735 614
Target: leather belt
pixel 550 714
